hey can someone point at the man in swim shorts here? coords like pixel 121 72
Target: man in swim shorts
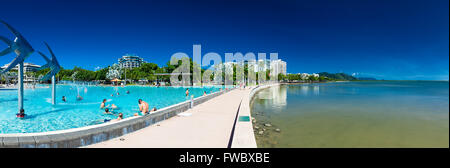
pixel 143 107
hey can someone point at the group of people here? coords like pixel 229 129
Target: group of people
pixel 143 109
pixel 107 111
pixel 79 98
pixel 204 92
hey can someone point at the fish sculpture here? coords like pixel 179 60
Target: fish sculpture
pixel 51 63
pixel 20 46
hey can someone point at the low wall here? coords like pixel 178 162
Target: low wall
pixel 244 136
pixel 82 136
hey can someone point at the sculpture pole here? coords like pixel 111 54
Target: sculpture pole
pixel 20 82
pixel 54 69
pixel 53 90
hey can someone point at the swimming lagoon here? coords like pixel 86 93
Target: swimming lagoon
pixel 42 116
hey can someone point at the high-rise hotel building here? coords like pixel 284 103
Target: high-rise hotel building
pixel 130 61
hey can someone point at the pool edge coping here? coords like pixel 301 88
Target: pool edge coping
pixel 244 136
pixel 83 136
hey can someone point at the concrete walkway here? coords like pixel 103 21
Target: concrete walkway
pixel 207 125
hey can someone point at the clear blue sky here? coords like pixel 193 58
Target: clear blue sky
pixel 392 39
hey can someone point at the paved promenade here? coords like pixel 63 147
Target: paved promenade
pixel 207 125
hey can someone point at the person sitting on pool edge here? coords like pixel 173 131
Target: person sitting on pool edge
pixel 152 110
pixel 143 107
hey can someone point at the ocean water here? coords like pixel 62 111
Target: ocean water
pixel 42 116
pixel 354 114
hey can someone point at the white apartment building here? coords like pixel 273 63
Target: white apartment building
pixel 276 66
pixel 130 61
pixel 304 76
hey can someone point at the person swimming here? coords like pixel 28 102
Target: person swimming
pixel 128 92
pixel 119 117
pixel 107 111
pixel 21 114
pixel 64 98
pixel 79 98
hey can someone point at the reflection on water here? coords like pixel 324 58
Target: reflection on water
pixel 277 95
pixel 353 114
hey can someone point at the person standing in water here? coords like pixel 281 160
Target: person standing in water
pixel 187 92
pixel 64 98
pixel 103 105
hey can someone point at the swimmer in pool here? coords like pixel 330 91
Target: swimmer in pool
pixel 103 105
pixel 119 117
pixel 21 114
pixel 107 111
pixel 79 98
pixel 187 92
pixel 64 98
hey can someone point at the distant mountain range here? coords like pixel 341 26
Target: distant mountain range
pixel 343 76
pixel 337 76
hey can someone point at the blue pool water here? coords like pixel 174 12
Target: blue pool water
pixel 42 116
